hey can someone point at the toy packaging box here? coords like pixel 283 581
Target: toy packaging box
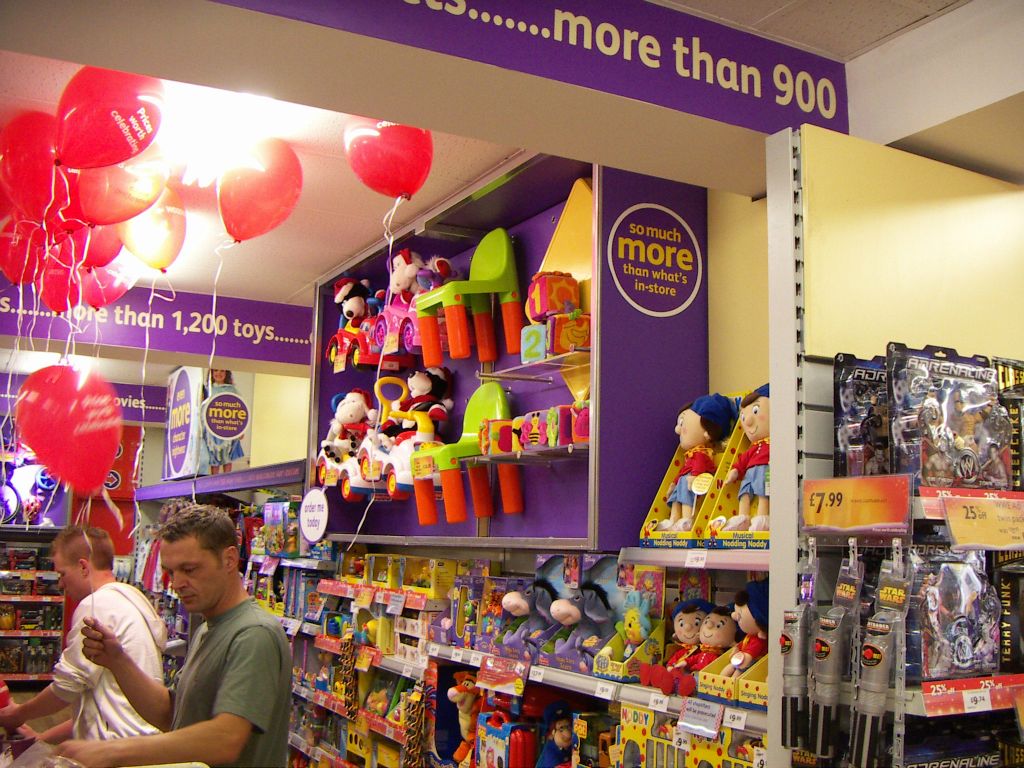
pixel 640 636
pixel 588 614
pixel 861 416
pixel 947 427
pixel 1010 378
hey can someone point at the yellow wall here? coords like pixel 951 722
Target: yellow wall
pixel 901 248
pixel 737 292
pixel 280 426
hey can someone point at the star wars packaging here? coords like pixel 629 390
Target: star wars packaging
pixel 1010 377
pixel 953 625
pixel 861 408
pixel 946 424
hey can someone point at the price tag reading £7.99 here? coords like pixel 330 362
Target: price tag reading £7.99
pixel 977 701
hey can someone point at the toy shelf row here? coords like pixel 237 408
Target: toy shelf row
pixel 720 559
pixel 604 689
pixel 374 722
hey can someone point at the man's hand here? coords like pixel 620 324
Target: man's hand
pixel 10 717
pixel 100 645
pixel 89 754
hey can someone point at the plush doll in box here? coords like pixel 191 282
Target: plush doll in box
pixel 751 466
pixel 751 614
pixel 699 425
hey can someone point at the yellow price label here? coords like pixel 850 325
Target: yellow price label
pixel 842 505
pixel 985 523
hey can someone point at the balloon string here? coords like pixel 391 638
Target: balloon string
pixel 389 235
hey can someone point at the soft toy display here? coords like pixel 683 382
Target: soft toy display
pixel 751 614
pixel 352 418
pixel 751 466
pixel 532 611
pixel 687 617
pixel 717 634
pixel 556 732
pixel 467 699
pixel 699 425
pixel 429 392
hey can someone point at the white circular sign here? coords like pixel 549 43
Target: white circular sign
pixel 313 515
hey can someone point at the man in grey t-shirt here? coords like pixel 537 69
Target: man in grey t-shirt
pixel 233 695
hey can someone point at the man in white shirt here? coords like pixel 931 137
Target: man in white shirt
pixel 84 558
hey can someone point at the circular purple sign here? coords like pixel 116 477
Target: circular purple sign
pixel 226 416
pixel 179 421
pixel 655 260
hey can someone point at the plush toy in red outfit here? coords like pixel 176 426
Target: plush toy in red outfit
pixel 751 613
pixel 429 392
pixel 751 466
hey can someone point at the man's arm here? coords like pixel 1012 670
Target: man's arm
pixel 147 696
pixel 44 703
pixel 218 741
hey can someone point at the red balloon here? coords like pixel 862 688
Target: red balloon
pixel 105 285
pixel 389 158
pixel 256 197
pixel 156 235
pixel 26 162
pixel 116 193
pixel 72 421
pixel 106 117
pixel 22 247
pixel 59 284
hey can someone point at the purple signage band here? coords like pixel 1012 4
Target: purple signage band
pixel 630 48
pixel 138 403
pixel 244 329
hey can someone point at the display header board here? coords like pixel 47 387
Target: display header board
pixel 629 48
pixel 170 322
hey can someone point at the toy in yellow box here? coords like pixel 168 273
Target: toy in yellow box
pixel 639 637
pixel 732 749
pixel 646 738
pixel 567 332
pixel 550 293
pixel 738 518
pixel 676 510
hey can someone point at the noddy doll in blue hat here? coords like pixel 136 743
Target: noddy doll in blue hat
pixel 751 466
pixel 699 425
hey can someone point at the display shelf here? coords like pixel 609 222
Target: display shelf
pixel 542 371
pixel 594 686
pixel 722 559
pixel 30 633
pixel 22 677
pixel 578 451
pixel 31 598
pixel 306 563
pixel 271 476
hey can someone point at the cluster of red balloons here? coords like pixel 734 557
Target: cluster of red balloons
pixel 389 158
pixel 77 186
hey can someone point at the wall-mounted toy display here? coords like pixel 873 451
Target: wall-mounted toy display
pixel 492 272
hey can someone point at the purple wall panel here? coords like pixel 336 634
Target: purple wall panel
pixel 649 365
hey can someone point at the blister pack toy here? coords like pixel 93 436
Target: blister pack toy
pixel 953 624
pixel 1010 378
pixel 861 408
pixel 946 424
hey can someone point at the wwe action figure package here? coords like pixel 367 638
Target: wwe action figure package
pixel 861 408
pixel 1010 376
pixel 946 424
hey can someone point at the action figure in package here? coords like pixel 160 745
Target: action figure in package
pixel 955 616
pixel 947 426
pixel 861 408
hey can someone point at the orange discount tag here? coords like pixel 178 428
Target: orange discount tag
pixel 985 523
pixel 877 504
